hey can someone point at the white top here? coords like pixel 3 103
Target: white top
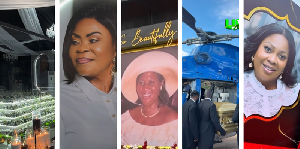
pixel 267 103
pixel 135 133
pixel 88 116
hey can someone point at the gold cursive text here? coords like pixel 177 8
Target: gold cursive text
pixel 155 35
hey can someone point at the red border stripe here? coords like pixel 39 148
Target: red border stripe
pixel 262 146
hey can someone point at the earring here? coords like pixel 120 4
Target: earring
pixel 113 69
pixel 160 87
pixel 251 64
pixel 280 77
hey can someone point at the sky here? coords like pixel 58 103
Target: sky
pixel 210 15
pixel 296 2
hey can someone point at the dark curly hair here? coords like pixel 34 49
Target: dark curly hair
pixel 252 43
pixel 105 15
pixel 163 94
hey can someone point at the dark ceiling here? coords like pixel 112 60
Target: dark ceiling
pixel 46 17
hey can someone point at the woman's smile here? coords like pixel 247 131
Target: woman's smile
pixel 83 60
pixel 147 95
pixel 268 69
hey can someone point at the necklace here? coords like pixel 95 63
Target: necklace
pixel 150 115
pixel 297 142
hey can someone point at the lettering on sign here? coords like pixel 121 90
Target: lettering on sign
pixel 156 34
pixel 123 42
pixel 233 26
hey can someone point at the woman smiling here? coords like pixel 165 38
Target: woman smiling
pixel 89 98
pixel 269 60
pixel 271 107
pixel 149 81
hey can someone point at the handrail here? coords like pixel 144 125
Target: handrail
pixel 35 73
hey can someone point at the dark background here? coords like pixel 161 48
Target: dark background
pixel 46 16
pixel 137 13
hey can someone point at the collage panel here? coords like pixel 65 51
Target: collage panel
pixel 271 74
pixel 27 81
pixel 149 70
pixel 88 90
pixel 210 75
pixel 142 35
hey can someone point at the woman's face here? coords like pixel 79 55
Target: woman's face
pixel 92 49
pixel 271 57
pixel 148 88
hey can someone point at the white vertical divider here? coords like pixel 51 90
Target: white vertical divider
pixel 241 74
pixel 119 72
pixel 57 73
pixel 179 74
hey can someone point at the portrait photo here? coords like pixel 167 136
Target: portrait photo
pixel 271 76
pixel 88 90
pixel 150 97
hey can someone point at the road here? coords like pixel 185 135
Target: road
pixel 228 143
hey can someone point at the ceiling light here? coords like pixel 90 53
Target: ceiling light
pixel 51 31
